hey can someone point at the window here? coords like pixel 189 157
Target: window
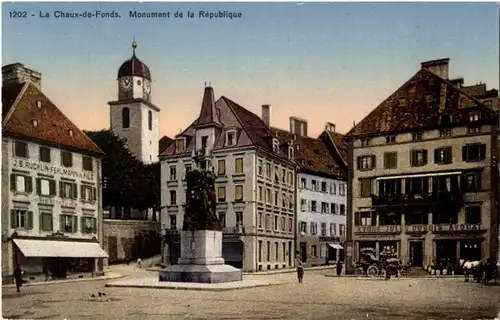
pixel 333 229
pixel 314 184
pixel 333 188
pixel 283 224
pixel 303 205
pixel 323 186
pixel 150 120
pixel 314 252
pixel 473 215
pixel 390 139
pixel 471 182
pixel 222 219
pixel 187 168
pixel 366 142
pixel 89 225
pixel 125 117
pixel 303 227
pixel 68 223
pixel 173 173
pixel 474 152
pixel 238 193
pixel 268 222
pixel 333 208
pixel 261 193
pixel 259 220
pixel 474 129
pixel 290 224
pixel 239 218
pixel 44 154
pixel 402 102
pixel 390 160
pixel 268 196
pixel 66 159
pixel 290 152
pixel 276 145
pixel 341 230
pixel 268 250
pixel 324 207
pixel 443 155
pixel 313 206
pixel 221 194
pixel 238 166
pixel 365 187
pixel 474 116
pixel 21 149
pixel 290 178
pixel 179 145
pixel 221 167
pixel 283 200
pixel 323 229
pixel 259 167
pixel 275 224
pixel 342 209
pixel 88 193
pixel 276 198
pixel 87 163
pixel 260 250
pixel 366 162
pixel 418 158
pixel 276 251
pixel 68 190
pixel 314 228
pixel 20 183
pixel 303 183
pixel 173 198
pixel 268 170
pixel 445 133
pixel 365 218
pixel 417 136
pixel 342 189
pixel 46 223
pixel 276 176
pixel 21 219
pixel 230 138
pixel 173 222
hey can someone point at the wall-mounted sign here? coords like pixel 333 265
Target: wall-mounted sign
pixel 442 227
pixel 378 229
pixel 44 168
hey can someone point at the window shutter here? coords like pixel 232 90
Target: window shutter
pixel 82 192
pixel 386 160
pixel 61 189
pixel 52 187
pixel 436 155
pixel 29 224
pixel 75 224
pixel 13 182
pixel 29 184
pixel 82 223
pixel 13 220
pixel 40 222
pixel 38 186
pixel 94 194
pixel 74 190
pixel 482 152
pixel 94 225
pixel 374 161
pixel 424 156
pixel 478 181
pixel 464 153
pixel 51 224
pixel 359 163
pixel 449 155
pixel 357 219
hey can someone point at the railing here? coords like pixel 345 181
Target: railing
pixel 402 199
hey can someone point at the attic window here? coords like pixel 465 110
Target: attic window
pixel 366 142
pixel 290 152
pixel 39 104
pixel 474 116
pixel 70 132
pixel 390 139
pixel 180 145
pixel 35 123
pixel 230 138
pixel 402 102
pixel 417 136
pixel 276 145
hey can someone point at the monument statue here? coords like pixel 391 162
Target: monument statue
pixel 200 212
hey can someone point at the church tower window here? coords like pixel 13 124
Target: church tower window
pixel 126 117
pixel 150 120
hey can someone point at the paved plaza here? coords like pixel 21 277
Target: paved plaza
pixel 319 297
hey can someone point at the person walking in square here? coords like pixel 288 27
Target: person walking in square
pixel 339 268
pixel 300 272
pixel 18 277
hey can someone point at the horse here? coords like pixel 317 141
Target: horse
pixel 470 267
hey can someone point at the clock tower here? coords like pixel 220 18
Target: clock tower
pixel 133 117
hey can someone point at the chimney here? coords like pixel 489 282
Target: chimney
pixel 266 114
pixel 458 82
pixel 298 126
pixel 330 127
pixel 18 73
pixel 439 67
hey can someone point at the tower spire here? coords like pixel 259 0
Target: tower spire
pixel 134 45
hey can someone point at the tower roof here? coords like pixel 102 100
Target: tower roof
pixel 134 67
pixel 208 112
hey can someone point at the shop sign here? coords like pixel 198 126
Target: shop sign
pixel 53 201
pixel 378 229
pixel 47 169
pixel 442 227
pixel 46 201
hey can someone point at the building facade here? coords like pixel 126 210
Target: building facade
pixel 423 174
pixel 321 194
pixel 255 177
pixel 51 184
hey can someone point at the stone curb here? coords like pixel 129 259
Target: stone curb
pixel 270 272
pixel 136 286
pixel 33 284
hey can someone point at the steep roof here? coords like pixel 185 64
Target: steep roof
pixel 418 104
pixel 208 112
pixel 164 143
pixel 27 113
pixel 311 155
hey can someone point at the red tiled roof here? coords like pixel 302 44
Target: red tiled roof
pixel 52 126
pixel 311 155
pixel 416 111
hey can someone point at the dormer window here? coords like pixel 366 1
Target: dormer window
pixel 290 153
pixel 474 116
pixel 230 138
pixel 276 145
pixel 180 145
pixel 366 142
pixel 390 139
pixel 417 136
pixel 402 102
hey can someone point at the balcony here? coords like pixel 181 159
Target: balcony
pixel 436 198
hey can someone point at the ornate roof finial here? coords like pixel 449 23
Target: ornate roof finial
pixel 134 45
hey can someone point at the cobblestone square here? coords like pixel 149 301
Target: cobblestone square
pixel 318 297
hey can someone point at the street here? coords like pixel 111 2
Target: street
pixel 319 297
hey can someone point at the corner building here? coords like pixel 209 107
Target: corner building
pixel 255 183
pixel 51 185
pixel 423 174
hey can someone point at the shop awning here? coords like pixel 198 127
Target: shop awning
pixel 61 249
pixel 335 246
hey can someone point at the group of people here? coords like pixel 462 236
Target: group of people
pixel 300 270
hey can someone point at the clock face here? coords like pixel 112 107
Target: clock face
pixel 147 87
pixel 126 83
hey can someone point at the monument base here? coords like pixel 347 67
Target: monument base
pixel 201 260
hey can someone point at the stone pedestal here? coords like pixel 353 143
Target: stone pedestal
pixel 201 260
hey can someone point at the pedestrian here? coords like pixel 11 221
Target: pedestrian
pixel 18 277
pixel 300 272
pixel 339 268
pixel 139 262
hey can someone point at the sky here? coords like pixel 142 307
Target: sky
pixel 324 62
